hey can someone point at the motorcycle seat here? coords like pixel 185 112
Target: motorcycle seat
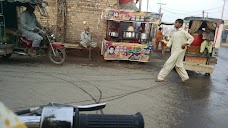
pixel 25 40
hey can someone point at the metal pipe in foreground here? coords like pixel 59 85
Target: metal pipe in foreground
pixel 58 116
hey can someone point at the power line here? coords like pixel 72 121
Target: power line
pixel 184 13
pixel 161 7
pixel 177 12
pixel 193 11
pixel 215 12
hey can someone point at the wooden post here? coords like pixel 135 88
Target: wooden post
pixel 61 20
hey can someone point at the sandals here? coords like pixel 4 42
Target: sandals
pixel 32 54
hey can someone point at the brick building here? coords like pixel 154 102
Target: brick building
pixel 66 17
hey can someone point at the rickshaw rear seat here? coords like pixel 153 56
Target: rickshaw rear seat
pixel 197 39
pixel 195 46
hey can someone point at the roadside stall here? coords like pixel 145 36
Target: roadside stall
pixel 128 35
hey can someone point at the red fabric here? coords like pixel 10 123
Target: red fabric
pixel 136 41
pixel 125 1
pixel 143 27
pixel 117 25
pixel 28 42
pixel 197 40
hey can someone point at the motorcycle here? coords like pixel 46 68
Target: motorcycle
pixel 55 52
pixel 11 42
pixel 56 115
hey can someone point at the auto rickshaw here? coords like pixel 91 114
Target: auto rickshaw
pixel 198 59
pixel 11 39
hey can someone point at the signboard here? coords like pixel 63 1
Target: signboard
pixel 128 15
pixel 126 51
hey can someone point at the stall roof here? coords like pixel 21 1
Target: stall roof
pixel 26 1
pixel 204 19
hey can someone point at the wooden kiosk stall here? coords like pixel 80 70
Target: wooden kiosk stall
pixel 128 35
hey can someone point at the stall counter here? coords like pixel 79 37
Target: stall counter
pixel 126 51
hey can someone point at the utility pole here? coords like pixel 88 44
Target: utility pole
pixel 161 7
pixel 203 13
pixel 223 8
pixel 147 5
pixel 140 5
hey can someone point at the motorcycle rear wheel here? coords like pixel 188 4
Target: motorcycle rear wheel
pixel 60 55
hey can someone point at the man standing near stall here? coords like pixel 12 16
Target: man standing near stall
pixel 179 40
pixel 158 38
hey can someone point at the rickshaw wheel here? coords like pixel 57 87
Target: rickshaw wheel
pixel 60 55
pixel 6 57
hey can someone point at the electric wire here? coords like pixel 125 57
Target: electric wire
pixel 193 11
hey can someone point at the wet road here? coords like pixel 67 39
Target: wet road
pixel 207 97
pixel 127 88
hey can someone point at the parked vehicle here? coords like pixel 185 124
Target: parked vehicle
pixel 194 60
pixel 11 40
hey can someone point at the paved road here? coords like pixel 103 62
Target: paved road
pixel 127 88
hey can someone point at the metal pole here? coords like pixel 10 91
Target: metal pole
pixel 147 5
pixel 223 8
pixel 161 7
pixel 140 5
pixel 203 14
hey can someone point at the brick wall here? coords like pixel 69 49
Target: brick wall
pixel 52 12
pixel 78 11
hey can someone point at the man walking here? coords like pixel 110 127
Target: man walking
pixel 179 40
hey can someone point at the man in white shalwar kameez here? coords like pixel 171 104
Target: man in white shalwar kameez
pixel 179 40
pixel 30 28
pixel 86 38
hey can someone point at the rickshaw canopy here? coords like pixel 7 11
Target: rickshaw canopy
pixel 204 19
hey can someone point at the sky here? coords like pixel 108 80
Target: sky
pixel 174 9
